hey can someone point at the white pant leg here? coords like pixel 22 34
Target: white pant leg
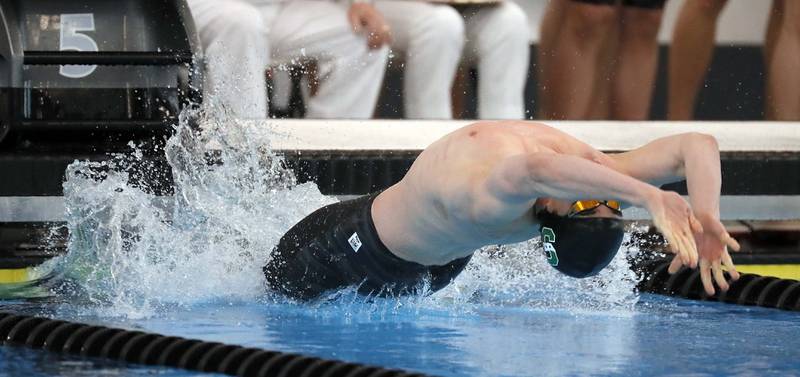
pixel 432 38
pixel 234 36
pixel 350 73
pixel 498 38
pixel 281 89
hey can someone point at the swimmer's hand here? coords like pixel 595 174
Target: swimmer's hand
pixel 365 18
pixel 712 247
pixel 674 219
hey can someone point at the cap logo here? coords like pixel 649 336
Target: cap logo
pixel 548 238
pixel 355 242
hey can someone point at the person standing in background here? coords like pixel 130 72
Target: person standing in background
pixel 242 38
pixel 435 37
pixel 693 44
pixel 548 37
pixel 599 61
pixel 782 57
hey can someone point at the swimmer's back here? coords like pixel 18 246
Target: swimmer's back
pixel 436 199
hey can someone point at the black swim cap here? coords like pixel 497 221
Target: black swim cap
pixel 580 246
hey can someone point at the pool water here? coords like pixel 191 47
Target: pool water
pixel 24 362
pixel 658 336
pixel 190 265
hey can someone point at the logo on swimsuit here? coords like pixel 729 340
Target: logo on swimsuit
pixel 355 242
pixel 548 237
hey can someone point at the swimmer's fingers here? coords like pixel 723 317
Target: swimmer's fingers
pixel 719 231
pixel 719 277
pixel 688 227
pixel 728 263
pixel 730 242
pixel 688 247
pixel 683 252
pixel 692 245
pixel 695 224
pixel 705 277
pixel 680 245
pixel 675 265
pixel 674 246
pixel 689 250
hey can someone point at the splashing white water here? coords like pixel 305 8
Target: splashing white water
pixel 518 275
pixel 132 252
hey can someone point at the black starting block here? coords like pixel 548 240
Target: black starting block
pixel 94 71
pixel 80 79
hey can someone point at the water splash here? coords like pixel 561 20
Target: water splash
pixel 133 252
pixel 518 275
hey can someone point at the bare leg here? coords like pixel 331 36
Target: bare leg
pixel 548 37
pixel 783 80
pixel 773 27
pixel 575 59
pixel 635 76
pixel 607 61
pixel 773 30
pixel 690 54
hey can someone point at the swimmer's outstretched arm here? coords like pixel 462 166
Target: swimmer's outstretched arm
pixel 519 179
pixel 694 157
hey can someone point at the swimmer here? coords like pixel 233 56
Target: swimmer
pixel 504 182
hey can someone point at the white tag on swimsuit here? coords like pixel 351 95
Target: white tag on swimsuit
pixel 355 242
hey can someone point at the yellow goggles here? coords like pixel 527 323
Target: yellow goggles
pixel 583 207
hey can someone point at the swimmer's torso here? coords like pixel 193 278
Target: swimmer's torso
pixel 431 216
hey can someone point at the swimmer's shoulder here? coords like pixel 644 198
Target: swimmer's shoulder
pixel 494 135
pixel 485 142
pixel 501 127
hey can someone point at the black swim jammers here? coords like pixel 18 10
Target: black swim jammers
pixel 338 246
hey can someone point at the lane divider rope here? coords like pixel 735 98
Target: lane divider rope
pixel 750 289
pixel 159 350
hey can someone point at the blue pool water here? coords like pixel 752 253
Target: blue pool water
pixel 658 336
pixel 190 265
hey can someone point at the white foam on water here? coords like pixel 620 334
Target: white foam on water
pixel 133 253
pixel 518 275
pixel 515 277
